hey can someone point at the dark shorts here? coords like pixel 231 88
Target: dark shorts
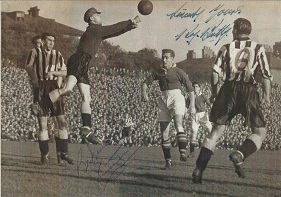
pixel 58 107
pixel 78 65
pixel 237 98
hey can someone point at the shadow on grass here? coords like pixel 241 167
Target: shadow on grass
pixel 130 183
pixel 15 155
pixel 246 170
pixel 145 180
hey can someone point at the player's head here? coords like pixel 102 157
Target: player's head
pixel 36 40
pixel 241 27
pixel 92 16
pixel 196 87
pixel 168 56
pixel 48 41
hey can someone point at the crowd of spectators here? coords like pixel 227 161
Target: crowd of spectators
pixel 114 95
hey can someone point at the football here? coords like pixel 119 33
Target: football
pixel 145 7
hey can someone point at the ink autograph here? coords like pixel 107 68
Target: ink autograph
pixel 105 166
pixel 218 30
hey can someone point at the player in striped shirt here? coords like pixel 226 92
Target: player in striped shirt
pixel 127 128
pixel 51 122
pixel 128 123
pixel 238 63
pixel 45 66
pixel 172 103
pixel 36 41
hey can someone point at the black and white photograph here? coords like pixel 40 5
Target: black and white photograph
pixel 141 98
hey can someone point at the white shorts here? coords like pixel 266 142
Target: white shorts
pixel 171 103
pixel 201 118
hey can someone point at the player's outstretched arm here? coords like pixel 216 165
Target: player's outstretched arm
pixel 217 72
pixel 117 29
pixel 214 86
pixel 266 86
pixel 192 103
pixel 30 69
pixel 136 20
pixel 266 76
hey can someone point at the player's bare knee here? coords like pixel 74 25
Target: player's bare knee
pixel 261 132
pixel 86 98
pixel 178 121
pixel 193 135
pixel 217 132
pixel 209 144
pixel 63 134
pixel 43 135
pixel 194 128
pixel 165 135
pixel 209 126
pixel 42 131
pixel 65 91
pixel 179 129
pixel 62 123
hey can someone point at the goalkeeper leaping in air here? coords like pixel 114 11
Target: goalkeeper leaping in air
pixel 78 65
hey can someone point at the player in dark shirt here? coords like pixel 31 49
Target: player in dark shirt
pixel 77 65
pixel 172 103
pixel 200 118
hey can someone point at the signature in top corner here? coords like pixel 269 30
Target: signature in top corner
pixel 217 31
pixel 185 14
pixel 218 11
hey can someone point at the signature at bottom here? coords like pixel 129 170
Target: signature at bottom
pixel 106 167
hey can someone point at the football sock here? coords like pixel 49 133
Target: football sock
pixel 200 143
pixel 86 119
pixel 64 145
pixel 58 149
pixel 166 149
pixel 192 147
pixel 248 148
pixel 182 142
pixel 35 94
pixel 44 147
pixel 167 153
pixel 203 158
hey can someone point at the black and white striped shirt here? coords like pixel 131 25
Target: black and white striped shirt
pixel 242 60
pixel 42 61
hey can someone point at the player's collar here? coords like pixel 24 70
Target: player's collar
pixel 165 69
pixel 94 25
pixel 45 51
pixel 241 39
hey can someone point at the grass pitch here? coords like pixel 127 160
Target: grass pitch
pixel 137 171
